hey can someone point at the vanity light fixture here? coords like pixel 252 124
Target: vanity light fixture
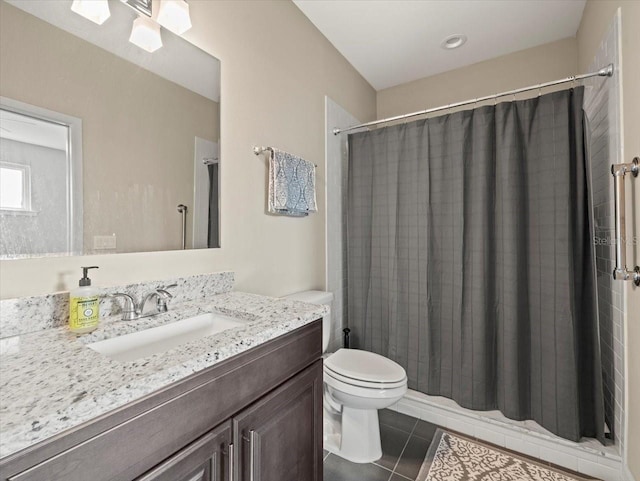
pixel 146 34
pixel 454 41
pixel 174 16
pixel 95 10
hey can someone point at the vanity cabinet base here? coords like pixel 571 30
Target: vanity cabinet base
pixel 278 380
pixel 207 459
pixel 280 436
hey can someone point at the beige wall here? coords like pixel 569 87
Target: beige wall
pixel 138 128
pixel 276 70
pixel 597 17
pixel 535 65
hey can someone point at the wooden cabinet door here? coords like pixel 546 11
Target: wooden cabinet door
pixel 206 459
pixel 280 436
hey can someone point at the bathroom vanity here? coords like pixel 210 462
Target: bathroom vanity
pixel 226 423
pixel 251 409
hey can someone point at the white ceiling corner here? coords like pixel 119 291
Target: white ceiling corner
pixel 391 42
pixel 30 130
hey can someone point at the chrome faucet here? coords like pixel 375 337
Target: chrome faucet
pixel 135 310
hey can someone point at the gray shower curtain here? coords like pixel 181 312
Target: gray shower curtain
pixel 470 259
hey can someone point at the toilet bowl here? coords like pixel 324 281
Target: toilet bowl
pixel 361 382
pixel 357 384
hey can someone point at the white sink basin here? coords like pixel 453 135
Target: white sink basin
pixel 159 339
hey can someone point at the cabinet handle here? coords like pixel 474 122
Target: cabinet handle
pixel 253 441
pixel 231 460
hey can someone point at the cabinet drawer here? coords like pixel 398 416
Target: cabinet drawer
pixel 154 428
pixel 206 459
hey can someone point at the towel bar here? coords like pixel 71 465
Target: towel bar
pixel 262 150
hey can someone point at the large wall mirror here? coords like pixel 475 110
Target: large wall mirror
pixel 104 147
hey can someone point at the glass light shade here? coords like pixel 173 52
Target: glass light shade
pixel 146 34
pixel 174 16
pixel 95 10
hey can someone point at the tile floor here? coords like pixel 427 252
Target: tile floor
pixel 405 441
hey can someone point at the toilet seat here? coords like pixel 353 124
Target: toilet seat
pixel 365 369
pixel 366 394
pixel 364 384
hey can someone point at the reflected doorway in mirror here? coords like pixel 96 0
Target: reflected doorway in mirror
pixel 206 215
pixel 40 182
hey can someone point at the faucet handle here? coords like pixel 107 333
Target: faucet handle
pixel 130 311
pixel 164 293
pixel 163 297
pixel 170 286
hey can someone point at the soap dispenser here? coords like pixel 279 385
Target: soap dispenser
pixel 84 305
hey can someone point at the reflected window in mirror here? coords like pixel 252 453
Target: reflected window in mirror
pixel 15 187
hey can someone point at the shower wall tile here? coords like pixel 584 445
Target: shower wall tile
pixel 602 107
pixel 336 175
pixel 556 456
pixel 595 469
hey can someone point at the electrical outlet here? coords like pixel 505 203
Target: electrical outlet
pixel 104 242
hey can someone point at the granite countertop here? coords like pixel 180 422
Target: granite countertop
pixel 50 381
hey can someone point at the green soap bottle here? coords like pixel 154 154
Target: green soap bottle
pixel 84 305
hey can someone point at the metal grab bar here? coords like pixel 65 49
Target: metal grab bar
pixel 620 272
pixel 183 210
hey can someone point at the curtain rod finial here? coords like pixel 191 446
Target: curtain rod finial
pixel 606 71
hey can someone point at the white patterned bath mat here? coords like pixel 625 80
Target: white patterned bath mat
pixel 455 458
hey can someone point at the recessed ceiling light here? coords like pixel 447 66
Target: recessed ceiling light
pixel 454 41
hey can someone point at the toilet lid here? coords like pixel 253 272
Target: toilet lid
pixel 365 366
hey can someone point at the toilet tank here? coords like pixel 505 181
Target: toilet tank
pixel 318 297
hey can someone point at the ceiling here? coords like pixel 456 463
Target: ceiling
pixel 178 60
pixel 391 42
pixel 29 130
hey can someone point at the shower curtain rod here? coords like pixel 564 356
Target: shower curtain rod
pixel 603 72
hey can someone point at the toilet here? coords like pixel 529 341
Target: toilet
pixel 357 384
